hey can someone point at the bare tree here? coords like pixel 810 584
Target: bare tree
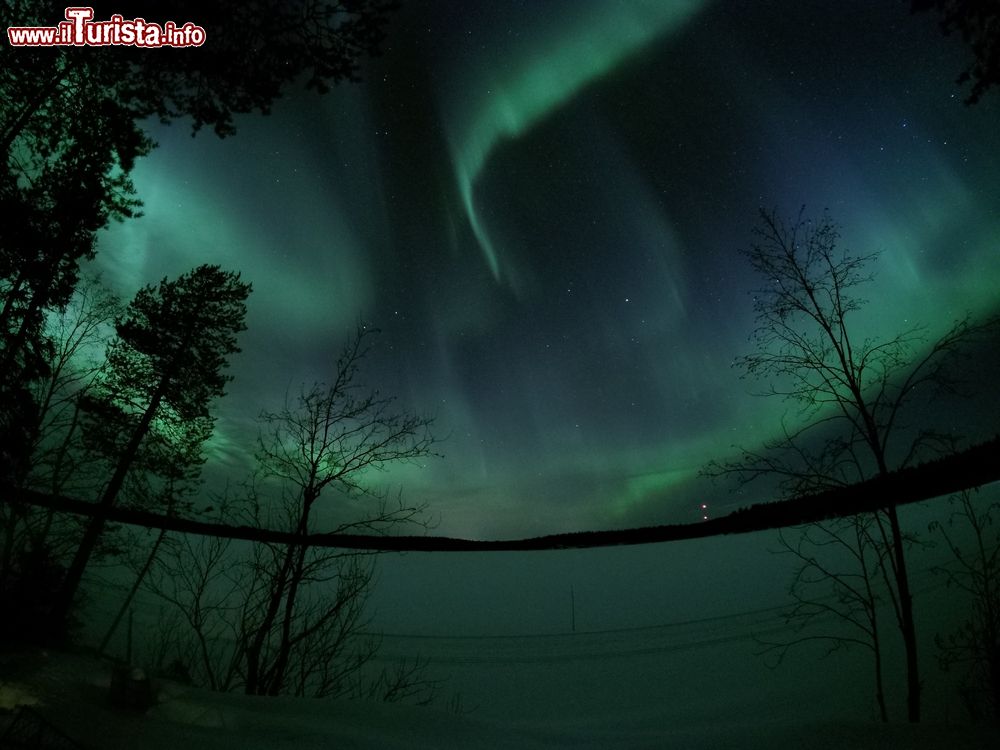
pixel 206 585
pixel 35 542
pixel 79 335
pixel 975 645
pixel 330 439
pixel 837 592
pixel 174 497
pixel 851 392
pixel 294 615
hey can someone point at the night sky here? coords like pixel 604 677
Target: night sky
pixel 541 204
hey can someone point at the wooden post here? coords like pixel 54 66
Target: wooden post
pixel 572 606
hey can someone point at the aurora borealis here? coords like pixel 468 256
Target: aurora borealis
pixel 541 203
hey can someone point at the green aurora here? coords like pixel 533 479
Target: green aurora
pixel 541 206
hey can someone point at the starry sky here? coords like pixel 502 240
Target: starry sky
pixel 540 204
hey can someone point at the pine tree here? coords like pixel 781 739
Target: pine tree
pixel 162 372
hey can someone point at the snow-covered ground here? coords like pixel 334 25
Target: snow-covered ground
pixel 71 692
pixel 665 654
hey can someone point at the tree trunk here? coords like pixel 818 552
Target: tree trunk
pixel 132 592
pixel 67 592
pixel 906 625
pixel 256 682
pixel 280 666
pixel 29 108
pixel 7 555
pixel 879 683
pixel 285 645
pixel 8 305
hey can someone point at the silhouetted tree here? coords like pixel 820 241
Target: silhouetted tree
pixel 978 21
pixel 162 372
pixel 79 337
pixel 330 440
pixel 64 176
pixel 253 51
pixel 35 537
pixel 286 618
pixel 975 645
pixel 840 564
pixel 206 583
pixel 173 497
pixel 852 392
pixel 70 134
pixel 57 190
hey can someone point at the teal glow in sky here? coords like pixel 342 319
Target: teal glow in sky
pixel 541 205
pixel 521 81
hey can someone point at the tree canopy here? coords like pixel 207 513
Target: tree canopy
pixel 163 370
pixel 978 23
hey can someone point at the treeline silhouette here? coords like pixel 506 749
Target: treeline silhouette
pixel 967 469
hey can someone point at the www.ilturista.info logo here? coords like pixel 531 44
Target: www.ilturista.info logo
pixel 80 30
